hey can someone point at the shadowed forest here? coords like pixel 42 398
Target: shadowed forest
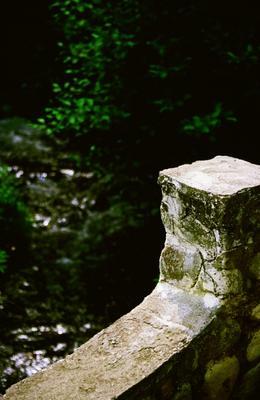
pixel 95 98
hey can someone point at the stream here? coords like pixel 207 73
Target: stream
pixel 43 314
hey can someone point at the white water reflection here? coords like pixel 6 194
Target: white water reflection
pixel 62 220
pixel 86 327
pixel 67 172
pixel 59 347
pixel 41 176
pixel 29 362
pixel 75 202
pixel 59 329
pixel 19 173
pixel 42 219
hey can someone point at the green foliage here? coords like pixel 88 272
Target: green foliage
pixel 135 64
pixel 7 191
pixel 248 55
pixel 15 221
pixel 201 125
pixel 9 196
pixel 94 46
pixel 168 105
pixel 3 259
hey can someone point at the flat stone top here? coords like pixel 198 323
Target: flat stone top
pixel 222 175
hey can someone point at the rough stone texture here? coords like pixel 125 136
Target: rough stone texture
pixel 221 175
pixel 210 210
pixel 185 339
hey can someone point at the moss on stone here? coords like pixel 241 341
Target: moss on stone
pixel 253 349
pixel 255 314
pixel 171 264
pixel 220 378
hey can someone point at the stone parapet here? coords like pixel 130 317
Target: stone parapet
pixel 196 336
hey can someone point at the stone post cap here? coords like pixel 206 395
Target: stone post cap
pixel 210 210
pixel 222 175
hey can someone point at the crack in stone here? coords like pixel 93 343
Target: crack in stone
pixel 215 292
pixel 217 255
pixel 152 325
pixel 203 267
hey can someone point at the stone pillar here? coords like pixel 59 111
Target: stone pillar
pixel 195 336
pixel 210 210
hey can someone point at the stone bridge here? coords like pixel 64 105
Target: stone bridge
pixel 197 335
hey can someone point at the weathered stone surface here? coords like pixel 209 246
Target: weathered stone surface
pixel 160 349
pixel 221 175
pixel 210 210
pixel 253 349
pixel 220 378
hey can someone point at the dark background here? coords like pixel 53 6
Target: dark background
pixel 28 43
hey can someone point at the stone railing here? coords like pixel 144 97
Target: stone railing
pixel 196 336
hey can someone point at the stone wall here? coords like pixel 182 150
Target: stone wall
pixel 197 335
